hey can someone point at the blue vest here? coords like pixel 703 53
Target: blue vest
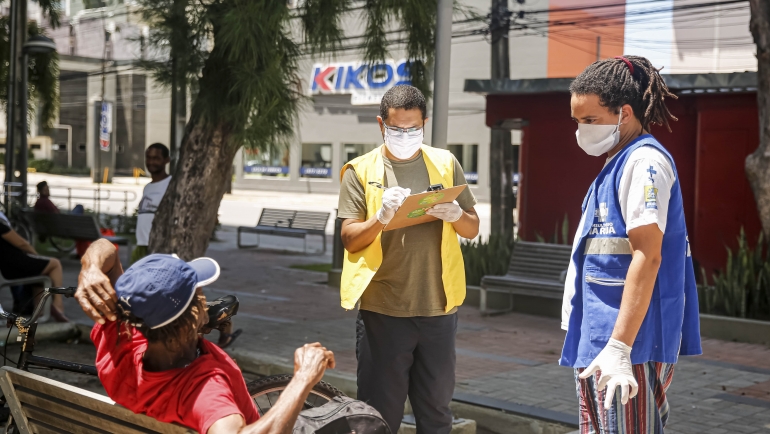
pixel 671 326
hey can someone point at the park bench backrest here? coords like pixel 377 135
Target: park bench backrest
pixel 539 260
pixel 40 405
pixel 310 220
pixel 79 227
pixel 279 218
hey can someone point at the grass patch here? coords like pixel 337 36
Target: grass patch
pixel 323 268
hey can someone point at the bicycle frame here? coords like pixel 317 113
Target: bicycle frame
pixel 27 329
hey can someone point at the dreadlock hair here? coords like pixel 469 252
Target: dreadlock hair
pixel 186 323
pixel 637 83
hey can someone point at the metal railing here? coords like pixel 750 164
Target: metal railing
pixel 94 195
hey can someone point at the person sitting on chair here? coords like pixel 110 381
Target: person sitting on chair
pixel 18 259
pixel 150 356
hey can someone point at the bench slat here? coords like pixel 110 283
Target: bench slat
pixel 61 423
pixel 83 227
pixel 40 428
pixel 41 408
pixel 31 384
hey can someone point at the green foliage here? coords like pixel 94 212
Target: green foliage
pixel 742 289
pixel 41 165
pixel 43 90
pixel 482 258
pixel 241 61
pixel 56 170
pixel 324 268
pixel 562 231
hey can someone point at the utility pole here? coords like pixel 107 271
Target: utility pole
pixel 500 149
pixel 178 85
pixel 14 124
pixel 441 74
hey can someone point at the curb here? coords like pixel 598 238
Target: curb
pixel 268 364
pixel 492 420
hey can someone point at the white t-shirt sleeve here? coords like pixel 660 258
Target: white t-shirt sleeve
pixel 645 188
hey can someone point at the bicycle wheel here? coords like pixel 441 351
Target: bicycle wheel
pixel 64 245
pixel 22 229
pixel 266 391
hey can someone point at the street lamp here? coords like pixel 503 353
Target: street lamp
pixel 37 44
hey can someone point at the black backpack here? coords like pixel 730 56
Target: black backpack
pixel 341 415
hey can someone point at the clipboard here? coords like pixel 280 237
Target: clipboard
pixel 412 211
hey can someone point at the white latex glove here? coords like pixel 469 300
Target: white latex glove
pixel 449 212
pixel 392 198
pixel 615 363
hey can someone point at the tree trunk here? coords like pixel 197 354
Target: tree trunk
pixel 188 212
pixel 758 163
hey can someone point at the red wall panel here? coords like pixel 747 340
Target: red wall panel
pixel 709 143
pixel 728 131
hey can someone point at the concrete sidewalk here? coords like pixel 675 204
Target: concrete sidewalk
pixel 505 363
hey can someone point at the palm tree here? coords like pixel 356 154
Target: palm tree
pixel 246 86
pixel 43 88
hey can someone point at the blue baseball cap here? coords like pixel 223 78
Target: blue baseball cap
pixel 158 288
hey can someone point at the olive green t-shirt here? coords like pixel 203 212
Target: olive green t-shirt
pixel 408 283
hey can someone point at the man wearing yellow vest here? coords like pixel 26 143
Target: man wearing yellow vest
pixel 409 281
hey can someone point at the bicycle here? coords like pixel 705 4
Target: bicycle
pixel 264 391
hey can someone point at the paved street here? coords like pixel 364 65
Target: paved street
pixel 504 359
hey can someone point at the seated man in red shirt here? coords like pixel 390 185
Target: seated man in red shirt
pixel 152 360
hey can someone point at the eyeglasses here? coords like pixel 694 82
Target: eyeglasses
pixel 397 132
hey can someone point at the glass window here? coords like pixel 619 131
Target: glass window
pixel 316 160
pixel 351 151
pixel 269 163
pixel 467 156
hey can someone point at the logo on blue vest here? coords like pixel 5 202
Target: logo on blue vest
pixel 603 227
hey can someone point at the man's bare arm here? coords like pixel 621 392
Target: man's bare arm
pixel 310 361
pixel 646 243
pixel 468 225
pixel 100 270
pixel 357 234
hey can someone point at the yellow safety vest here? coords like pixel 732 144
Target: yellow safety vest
pixel 359 268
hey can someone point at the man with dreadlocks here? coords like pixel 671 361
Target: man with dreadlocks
pixel 630 301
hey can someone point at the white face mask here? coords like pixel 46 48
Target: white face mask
pixel 402 145
pixel 598 139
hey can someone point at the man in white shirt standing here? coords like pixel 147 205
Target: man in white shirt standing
pixel 156 157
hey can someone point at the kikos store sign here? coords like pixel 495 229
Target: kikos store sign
pixel 365 83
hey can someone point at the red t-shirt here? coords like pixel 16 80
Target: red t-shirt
pixel 195 396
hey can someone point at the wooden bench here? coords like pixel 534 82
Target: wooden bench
pixel 534 282
pixel 73 226
pixel 42 406
pixel 287 223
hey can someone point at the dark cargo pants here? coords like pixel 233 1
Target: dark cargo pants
pixel 415 357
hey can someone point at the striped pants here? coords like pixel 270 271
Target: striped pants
pixel 647 413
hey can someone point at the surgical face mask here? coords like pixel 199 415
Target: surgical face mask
pixel 403 143
pixel 598 139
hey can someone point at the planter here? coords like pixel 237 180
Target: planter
pixel 729 328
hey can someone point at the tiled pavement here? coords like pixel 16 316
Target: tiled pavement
pixel 509 358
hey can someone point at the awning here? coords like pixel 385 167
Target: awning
pixel 678 83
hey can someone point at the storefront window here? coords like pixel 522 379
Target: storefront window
pixel 467 156
pixel 352 151
pixel 316 160
pixel 269 163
